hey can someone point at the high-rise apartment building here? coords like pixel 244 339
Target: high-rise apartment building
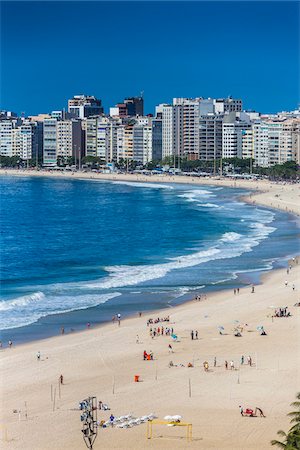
pixel 81 106
pixel 210 137
pixel 142 143
pixel 187 127
pixel 157 139
pixel 6 138
pixel 135 106
pixel 233 129
pixel 49 142
pixel 223 105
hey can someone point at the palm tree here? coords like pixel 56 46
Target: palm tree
pixel 292 438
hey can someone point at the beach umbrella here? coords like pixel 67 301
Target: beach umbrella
pixel 168 417
pixel 260 327
pixel 174 336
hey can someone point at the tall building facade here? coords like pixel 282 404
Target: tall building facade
pixel 210 137
pixel 157 139
pixel 142 143
pixel 81 106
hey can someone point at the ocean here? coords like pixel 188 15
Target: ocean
pixel 79 251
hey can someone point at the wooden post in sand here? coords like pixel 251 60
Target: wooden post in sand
pixel 54 398
pixel 190 388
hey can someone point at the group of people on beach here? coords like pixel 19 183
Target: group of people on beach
pixel 249 412
pixel 160 331
pixel 9 344
pixel 157 320
pixel 194 334
pixel 282 312
pixel 200 297
pixel 148 356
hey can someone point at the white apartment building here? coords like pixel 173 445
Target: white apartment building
pixel 6 139
pixel 64 141
pixel 275 141
pixel 18 139
pixel 247 143
pixel 223 105
pixel 232 136
pixel 101 138
pixel 142 143
pixel 187 126
pixel 49 142
pixel 168 127
pixel 27 140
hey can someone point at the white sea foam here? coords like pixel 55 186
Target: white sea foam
pixel 196 195
pixel 29 308
pixel 21 302
pixel 230 245
pixel 209 205
pixel 230 237
pixel 143 185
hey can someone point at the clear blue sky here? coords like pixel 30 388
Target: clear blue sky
pixel 53 50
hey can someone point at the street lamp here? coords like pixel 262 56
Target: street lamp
pixel 89 420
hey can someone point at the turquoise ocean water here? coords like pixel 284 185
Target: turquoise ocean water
pixel 77 251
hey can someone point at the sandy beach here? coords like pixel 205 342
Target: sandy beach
pixel 103 362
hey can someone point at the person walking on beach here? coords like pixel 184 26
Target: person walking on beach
pixel 205 365
pixel 38 356
pixel 252 289
pixel 137 340
pixel 61 379
pixel 192 335
pixel 260 412
pixel 226 365
pixel 215 362
pixel 241 410
pixel 62 330
pixel 231 365
pixel 10 343
pixel 170 349
pixel 286 283
pixel 196 334
pixel 242 360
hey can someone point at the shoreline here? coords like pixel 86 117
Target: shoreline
pixel 91 360
pixel 262 188
pixel 103 360
pixel 250 199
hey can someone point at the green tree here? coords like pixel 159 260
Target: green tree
pixel 291 439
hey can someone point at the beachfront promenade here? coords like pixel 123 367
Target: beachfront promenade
pixel 103 362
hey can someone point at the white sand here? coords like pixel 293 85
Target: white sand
pixel 91 360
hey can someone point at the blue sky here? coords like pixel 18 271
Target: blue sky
pixel 53 50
